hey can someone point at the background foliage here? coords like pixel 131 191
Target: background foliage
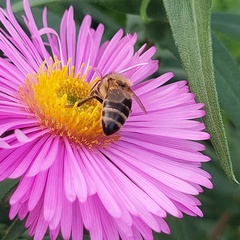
pixel 184 47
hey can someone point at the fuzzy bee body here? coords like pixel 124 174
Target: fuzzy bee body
pixel 115 94
pixel 115 112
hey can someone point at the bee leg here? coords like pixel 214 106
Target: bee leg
pixel 84 101
pixel 99 99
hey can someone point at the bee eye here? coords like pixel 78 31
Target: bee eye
pixel 121 84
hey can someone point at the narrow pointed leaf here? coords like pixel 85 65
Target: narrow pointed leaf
pixel 190 24
pixel 228 23
pixel 15 230
pixel 227 75
pixel 133 6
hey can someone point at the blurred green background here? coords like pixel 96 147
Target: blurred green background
pixel 221 206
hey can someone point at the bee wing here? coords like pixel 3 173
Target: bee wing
pixel 118 94
pixel 136 98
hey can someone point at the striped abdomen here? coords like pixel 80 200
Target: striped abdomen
pixel 114 115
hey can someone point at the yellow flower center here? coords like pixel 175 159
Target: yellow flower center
pixel 51 91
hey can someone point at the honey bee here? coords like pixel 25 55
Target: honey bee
pixel 114 93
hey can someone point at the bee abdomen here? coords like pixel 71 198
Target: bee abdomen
pixel 114 115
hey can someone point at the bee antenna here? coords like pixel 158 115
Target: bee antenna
pixel 98 72
pixel 134 66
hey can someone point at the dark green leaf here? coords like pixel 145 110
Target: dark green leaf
pixel 151 9
pixel 132 5
pixel 227 23
pixel 15 230
pixel 182 230
pixel 8 194
pixel 227 75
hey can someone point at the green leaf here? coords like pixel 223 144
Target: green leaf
pixel 227 75
pixel 190 24
pixel 15 230
pixel 8 194
pixel 147 9
pixel 152 10
pixel 143 10
pixel 17 5
pixel 133 6
pixel 186 229
pixel 227 23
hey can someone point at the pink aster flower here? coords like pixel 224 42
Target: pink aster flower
pixel 72 176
